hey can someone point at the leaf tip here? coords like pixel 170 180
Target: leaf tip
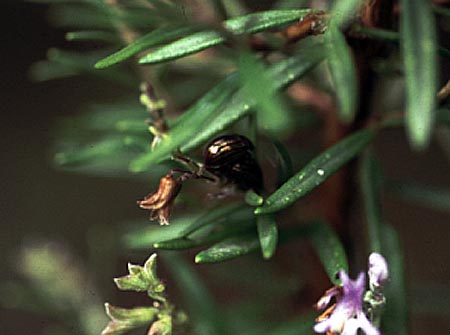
pixel 267 255
pixel 136 167
pixel 100 65
pixel 198 259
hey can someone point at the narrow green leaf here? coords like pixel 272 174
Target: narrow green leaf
pixel 343 73
pixel 147 236
pixel 423 195
pixel 268 235
pixel 44 71
pixel 207 319
pixel 369 176
pixel 246 243
pixel 284 163
pixel 395 316
pixel 316 171
pixel 219 234
pixel 156 37
pixel 228 214
pixel 330 250
pixel 228 249
pixel 253 199
pixel 251 23
pixel 342 11
pixel 96 150
pixel 418 45
pixel 193 121
pixel 92 35
pixel 83 63
pixel 181 233
pixel 183 47
pixel 282 73
pixel 259 87
pixel 80 16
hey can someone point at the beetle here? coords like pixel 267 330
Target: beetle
pixel 232 158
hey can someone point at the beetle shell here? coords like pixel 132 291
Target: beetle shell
pixel 231 157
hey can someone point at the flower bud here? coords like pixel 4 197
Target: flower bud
pixel 378 270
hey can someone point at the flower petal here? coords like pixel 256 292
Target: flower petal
pixel 366 325
pixel 351 327
pixel 378 270
pixel 322 326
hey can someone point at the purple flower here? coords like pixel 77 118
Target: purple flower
pixel 346 316
pixel 378 271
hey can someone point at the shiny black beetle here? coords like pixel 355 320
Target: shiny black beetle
pixel 232 157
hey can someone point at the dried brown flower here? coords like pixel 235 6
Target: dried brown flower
pixel 161 202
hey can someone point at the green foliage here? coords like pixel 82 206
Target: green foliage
pixel 251 23
pixel 420 64
pixel 396 313
pixel 261 80
pixel 369 175
pixel 228 249
pixel 156 37
pixel 342 69
pixel 316 171
pixel 159 316
pixel 257 86
pixel 268 235
pixel 343 11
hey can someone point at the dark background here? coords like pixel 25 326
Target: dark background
pixel 39 201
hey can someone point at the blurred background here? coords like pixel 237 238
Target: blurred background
pixel 76 212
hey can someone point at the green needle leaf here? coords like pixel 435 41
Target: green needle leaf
pixel 94 35
pixel 316 171
pixel 343 73
pixel 145 237
pixel 253 199
pixel 282 73
pixel 227 221
pixel 95 151
pixel 268 234
pixel 228 214
pixel 418 44
pixel 369 175
pixel 330 250
pixel 395 316
pixel 223 232
pixel 228 249
pixel 257 85
pixel 156 37
pixel 245 243
pixel 342 11
pixel 251 23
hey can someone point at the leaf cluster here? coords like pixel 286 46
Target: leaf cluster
pixel 229 74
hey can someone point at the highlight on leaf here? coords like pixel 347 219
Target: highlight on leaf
pixel 251 23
